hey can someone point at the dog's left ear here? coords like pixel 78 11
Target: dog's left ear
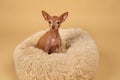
pixel 46 15
pixel 63 16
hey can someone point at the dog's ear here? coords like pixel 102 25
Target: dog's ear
pixel 63 16
pixel 46 15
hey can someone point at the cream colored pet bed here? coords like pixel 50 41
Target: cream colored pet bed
pixel 79 62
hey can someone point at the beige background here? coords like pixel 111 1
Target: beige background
pixel 101 18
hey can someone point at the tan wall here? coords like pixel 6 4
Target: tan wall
pixel 101 18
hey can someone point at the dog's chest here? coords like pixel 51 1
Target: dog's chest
pixel 54 42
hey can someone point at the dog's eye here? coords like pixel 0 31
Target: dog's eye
pixel 58 22
pixel 49 22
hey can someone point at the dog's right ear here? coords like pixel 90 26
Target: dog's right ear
pixel 46 15
pixel 63 16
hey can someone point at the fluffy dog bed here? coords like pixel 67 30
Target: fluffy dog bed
pixel 79 62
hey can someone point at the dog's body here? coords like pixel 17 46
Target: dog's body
pixel 51 41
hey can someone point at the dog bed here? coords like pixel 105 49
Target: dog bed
pixel 78 62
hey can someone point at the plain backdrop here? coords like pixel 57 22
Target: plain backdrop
pixel 101 18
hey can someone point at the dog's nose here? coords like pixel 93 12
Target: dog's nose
pixel 53 27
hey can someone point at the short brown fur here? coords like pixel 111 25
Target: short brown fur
pixel 51 41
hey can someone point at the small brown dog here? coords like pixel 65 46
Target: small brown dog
pixel 51 42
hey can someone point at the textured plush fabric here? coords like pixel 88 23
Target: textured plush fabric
pixel 79 62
